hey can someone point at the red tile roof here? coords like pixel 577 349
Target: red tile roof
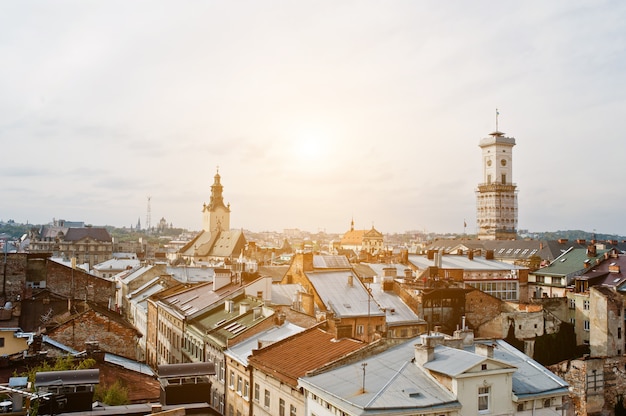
pixel 293 357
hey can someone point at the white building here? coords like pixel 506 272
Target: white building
pixel 452 377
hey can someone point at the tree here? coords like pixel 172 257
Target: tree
pixel 113 395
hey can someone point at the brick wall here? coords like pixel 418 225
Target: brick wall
pixel 112 335
pixel 77 284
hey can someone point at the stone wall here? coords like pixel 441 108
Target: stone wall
pixel 595 383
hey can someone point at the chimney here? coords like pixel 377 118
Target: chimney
pixel 562 240
pixel 424 354
pixel 591 250
pixel 489 255
pixel 430 254
pixel 243 307
pixel 390 272
pixel 614 268
pixel 408 273
pixel 470 254
pixel 229 305
pixel 280 318
pixel 486 350
pixel 350 280
pixel 257 313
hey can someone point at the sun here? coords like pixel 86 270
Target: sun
pixel 308 147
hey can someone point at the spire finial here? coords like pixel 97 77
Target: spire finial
pixel 497 114
pixel 218 166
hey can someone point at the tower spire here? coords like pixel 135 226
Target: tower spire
pixel 497 114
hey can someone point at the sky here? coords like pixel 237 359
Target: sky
pixel 317 113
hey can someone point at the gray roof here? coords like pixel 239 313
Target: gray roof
pixel 392 381
pixel 285 294
pixel 343 299
pixel 188 274
pixel 396 310
pixel 117 264
pixel 531 378
pixel 452 261
pixel 331 262
pixel 454 362
pixel 379 268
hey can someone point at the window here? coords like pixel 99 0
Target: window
pixel 281 407
pixel 1 342
pixel 257 392
pixel 619 333
pixel 231 410
pixel 359 329
pixel 222 371
pixel 246 389
pixel 483 399
pixel 267 398
pixel 520 407
pixel 586 304
pixel 239 384
pixel 586 324
pixel 546 403
pixel 231 380
pixel 572 303
pixel 292 410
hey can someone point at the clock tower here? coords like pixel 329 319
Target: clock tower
pixel 216 215
pixel 496 197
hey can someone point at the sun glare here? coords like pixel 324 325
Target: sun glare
pixel 309 146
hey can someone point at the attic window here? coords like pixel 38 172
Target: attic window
pixel 347 305
pixel 483 367
pixel 412 392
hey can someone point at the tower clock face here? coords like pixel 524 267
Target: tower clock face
pixel 503 162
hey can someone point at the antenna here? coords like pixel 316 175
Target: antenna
pixel 148 216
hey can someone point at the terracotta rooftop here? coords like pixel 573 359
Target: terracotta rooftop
pixel 293 357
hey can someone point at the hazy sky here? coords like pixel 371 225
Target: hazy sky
pixel 316 112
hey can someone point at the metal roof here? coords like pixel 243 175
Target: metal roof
pixel 343 293
pixel 452 261
pixel 330 262
pixel 67 377
pixel 186 369
pixel 392 381
pixel 285 294
pixel 572 261
pixel 454 362
pixel 396 311
pixel 531 378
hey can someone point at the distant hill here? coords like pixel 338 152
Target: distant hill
pixel 574 235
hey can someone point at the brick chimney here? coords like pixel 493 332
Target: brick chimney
pixel 489 255
pixel 591 250
pixel 470 254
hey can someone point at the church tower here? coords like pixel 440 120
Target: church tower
pixel 216 215
pixel 496 197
